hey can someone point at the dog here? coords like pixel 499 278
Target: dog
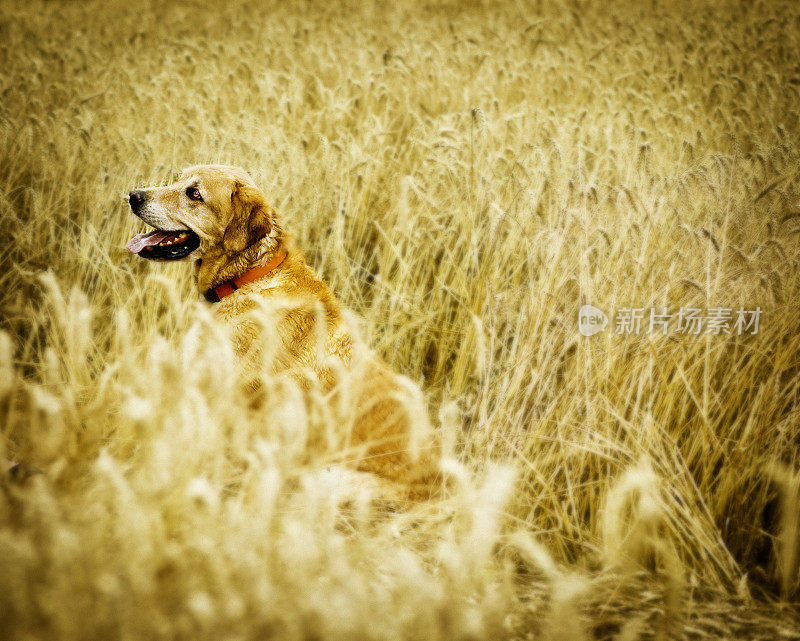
pixel 216 217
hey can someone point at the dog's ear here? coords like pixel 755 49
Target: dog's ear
pixel 252 218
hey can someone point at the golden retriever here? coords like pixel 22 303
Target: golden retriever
pixel 243 261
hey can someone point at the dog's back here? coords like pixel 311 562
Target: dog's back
pixel 291 322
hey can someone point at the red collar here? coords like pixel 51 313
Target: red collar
pixel 216 294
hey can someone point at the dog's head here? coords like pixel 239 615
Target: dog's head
pixel 209 208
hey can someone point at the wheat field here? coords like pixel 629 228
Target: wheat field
pixel 465 177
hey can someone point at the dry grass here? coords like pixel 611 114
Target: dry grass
pixel 465 178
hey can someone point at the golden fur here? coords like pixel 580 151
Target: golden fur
pixel 238 231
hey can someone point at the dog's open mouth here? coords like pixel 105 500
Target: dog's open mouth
pixel 164 245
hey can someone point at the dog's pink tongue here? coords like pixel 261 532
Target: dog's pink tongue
pixel 140 241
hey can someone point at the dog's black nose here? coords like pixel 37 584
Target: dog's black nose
pixel 136 199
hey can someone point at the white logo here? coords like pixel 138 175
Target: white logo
pixel 591 320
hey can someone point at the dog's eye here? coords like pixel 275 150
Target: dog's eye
pixel 194 193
